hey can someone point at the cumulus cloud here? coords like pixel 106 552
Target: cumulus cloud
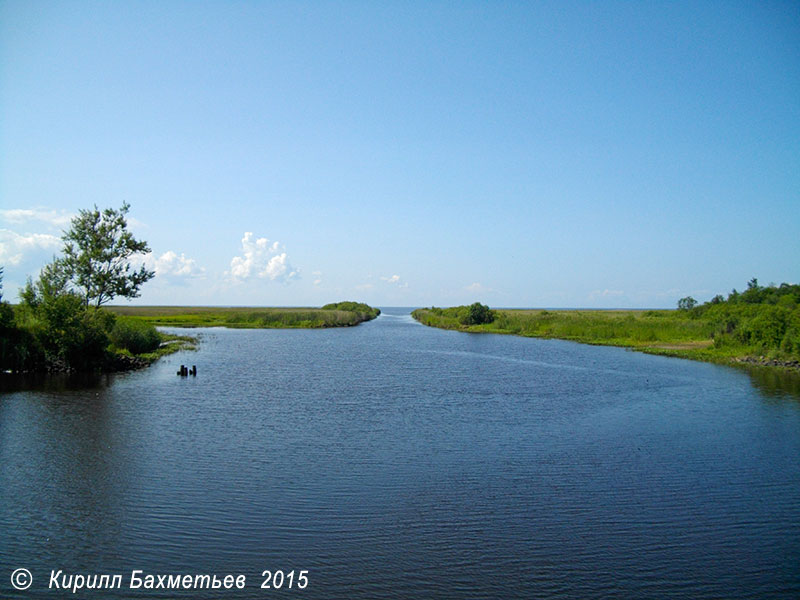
pixel 262 259
pixel 14 246
pixel 23 215
pixel 172 264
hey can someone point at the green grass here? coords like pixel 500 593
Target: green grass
pixel 665 332
pixel 245 317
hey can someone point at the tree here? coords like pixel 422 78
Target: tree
pixel 754 294
pixel 53 281
pixel 687 303
pixel 477 314
pixel 97 252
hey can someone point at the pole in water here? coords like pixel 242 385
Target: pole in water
pixel 186 371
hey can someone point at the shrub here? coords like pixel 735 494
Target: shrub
pixel 357 307
pixel 137 337
pixel 477 314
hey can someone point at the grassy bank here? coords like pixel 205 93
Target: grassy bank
pixel 722 332
pixel 655 331
pixel 341 314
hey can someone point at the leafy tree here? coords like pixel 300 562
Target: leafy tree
pixel 59 320
pixel 754 294
pixel 6 313
pixel 18 348
pixel 477 314
pixel 53 282
pixel 687 303
pixel 97 252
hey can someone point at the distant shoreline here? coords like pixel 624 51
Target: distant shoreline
pixel 342 314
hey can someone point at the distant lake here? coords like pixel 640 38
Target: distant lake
pixel 391 460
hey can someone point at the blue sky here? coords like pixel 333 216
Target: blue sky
pixel 564 154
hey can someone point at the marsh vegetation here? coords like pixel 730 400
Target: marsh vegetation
pixel 342 314
pixel 759 325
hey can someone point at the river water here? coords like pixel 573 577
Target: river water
pixel 392 460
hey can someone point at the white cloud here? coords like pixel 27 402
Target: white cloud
pixel 23 215
pixel 172 264
pixel 14 246
pixel 318 275
pixel 395 280
pixel 263 260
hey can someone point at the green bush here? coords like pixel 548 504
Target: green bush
pixel 70 333
pixel 19 349
pixel 357 307
pixel 476 314
pixel 137 337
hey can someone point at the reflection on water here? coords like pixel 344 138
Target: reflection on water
pixel 393 460
pixel 59 382
pixel 780 383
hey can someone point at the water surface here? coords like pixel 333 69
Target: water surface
pixel 392 460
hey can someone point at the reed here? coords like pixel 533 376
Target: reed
pixel 246 317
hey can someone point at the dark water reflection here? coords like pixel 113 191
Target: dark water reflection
pixel 778 383
pixel 397 461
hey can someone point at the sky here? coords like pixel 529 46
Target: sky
pixel 520 154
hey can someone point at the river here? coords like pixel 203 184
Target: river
pixel 392 460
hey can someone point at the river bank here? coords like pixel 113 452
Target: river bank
pixel 660 332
